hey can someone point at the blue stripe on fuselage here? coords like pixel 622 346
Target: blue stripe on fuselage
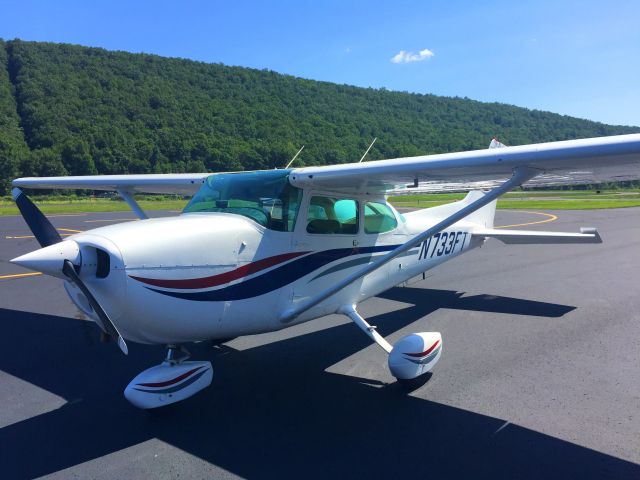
pixel 276 278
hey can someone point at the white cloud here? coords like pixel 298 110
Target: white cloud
pixel 408 57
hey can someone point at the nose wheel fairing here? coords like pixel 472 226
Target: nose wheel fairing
pixel 174 380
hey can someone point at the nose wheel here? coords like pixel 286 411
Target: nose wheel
pixel 174 380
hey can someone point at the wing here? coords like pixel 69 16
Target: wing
pixel 590 160
pixel 170 183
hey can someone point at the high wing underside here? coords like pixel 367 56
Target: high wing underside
pixel 167 183
pixel 591 160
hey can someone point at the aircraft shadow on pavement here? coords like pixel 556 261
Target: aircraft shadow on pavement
pixel 428 300
pixel 272 411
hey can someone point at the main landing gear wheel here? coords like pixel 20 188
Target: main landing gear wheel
pixel 173 380
pixel 411 358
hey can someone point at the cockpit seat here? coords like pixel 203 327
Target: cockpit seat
pixel 323 226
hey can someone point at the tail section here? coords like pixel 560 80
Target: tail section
pixel 495 143
pixel 484 216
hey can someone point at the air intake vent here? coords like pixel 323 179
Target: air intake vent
pixel 103 264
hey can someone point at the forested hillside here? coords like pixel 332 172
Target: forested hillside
pixel 74 110
pixel 13 149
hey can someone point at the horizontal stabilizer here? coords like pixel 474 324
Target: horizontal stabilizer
pixel 532 237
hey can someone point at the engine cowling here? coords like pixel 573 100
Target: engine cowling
pixel 415 355
pixel 168 383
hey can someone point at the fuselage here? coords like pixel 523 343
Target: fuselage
pixel 211 275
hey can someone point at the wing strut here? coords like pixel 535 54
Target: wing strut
pixel 520 175
pixel 128 197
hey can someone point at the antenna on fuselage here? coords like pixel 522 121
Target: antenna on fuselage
pixel 365 153
pixel 294 157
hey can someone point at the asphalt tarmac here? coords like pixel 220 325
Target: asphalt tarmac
pixel 539 377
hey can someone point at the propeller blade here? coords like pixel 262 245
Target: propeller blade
pixel 69 270
pixel 45 233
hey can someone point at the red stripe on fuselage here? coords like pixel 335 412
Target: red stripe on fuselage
pixel 222 278
pixel 426 352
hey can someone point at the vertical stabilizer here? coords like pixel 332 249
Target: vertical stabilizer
pixel 495 143
pixel 486 214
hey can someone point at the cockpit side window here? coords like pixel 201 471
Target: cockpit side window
pixel 328 215
pixel 265 197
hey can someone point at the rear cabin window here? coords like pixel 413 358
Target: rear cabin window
pixel 378 218
pixel 332 215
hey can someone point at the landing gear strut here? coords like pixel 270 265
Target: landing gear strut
pixel 173 380
pixel 176 354
pixel 411 356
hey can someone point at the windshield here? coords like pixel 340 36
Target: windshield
pixel 265 197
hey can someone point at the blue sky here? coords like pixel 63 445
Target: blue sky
pixel 579 58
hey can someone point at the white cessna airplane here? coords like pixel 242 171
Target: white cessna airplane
pixel 260 251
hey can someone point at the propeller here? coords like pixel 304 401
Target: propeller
pixel 70 272
pixel 45 233
pixel 53 250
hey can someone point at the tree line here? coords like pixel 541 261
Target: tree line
pixel 72 110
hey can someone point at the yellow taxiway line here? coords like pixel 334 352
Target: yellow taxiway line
pixel 111 220
pixel 550 218
pixel 18 275
pixel 31 236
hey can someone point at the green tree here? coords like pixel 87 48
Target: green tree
pixel 78 110
pixel 76 158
